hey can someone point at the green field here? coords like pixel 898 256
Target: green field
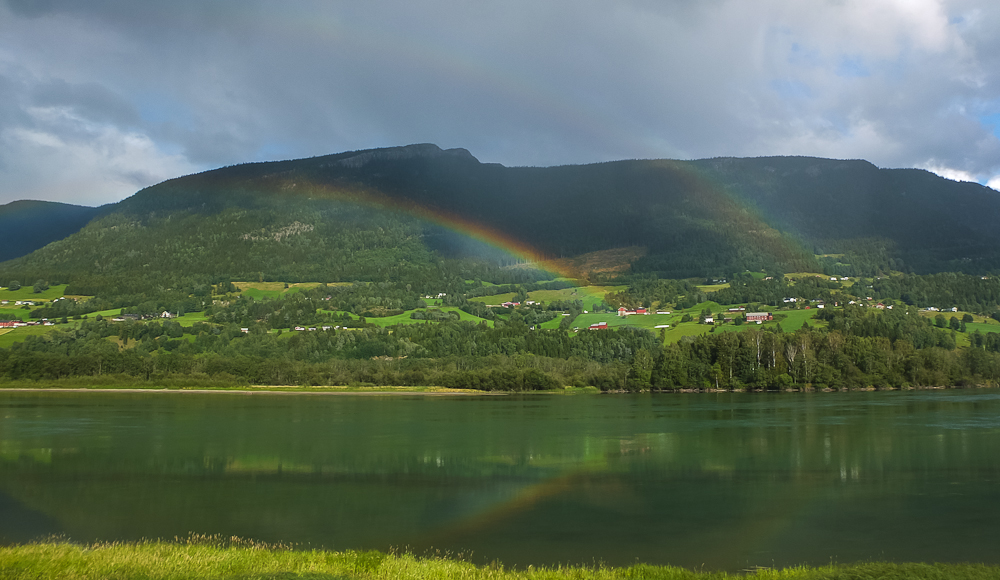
pixel 552 324
pixel 20 334
pixel 213 557
pixel 25 293
pixel 589 295
pixel 983 327
pixel 188 319
pixel 638 320
pixel 494 298
pixel 404 318
pixel 16 311
pixel 797 275
pixel 274 290
pixel 794 319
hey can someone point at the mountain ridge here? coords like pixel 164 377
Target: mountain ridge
pixel 373 214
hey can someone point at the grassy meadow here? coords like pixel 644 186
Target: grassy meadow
pixel 404 318
pixel 247 560
pixel 589 295
pixel 10 336
pixel 26 293
pixel 272 290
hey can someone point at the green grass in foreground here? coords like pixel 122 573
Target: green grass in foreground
pixel 248 560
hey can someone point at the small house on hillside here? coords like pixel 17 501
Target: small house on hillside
pixel 598 326
pixel 626 312
pixel 759 316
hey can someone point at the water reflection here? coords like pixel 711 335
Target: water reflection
pixel 728 480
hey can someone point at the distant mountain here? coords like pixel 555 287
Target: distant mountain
pixel 26 226
pixel 378 215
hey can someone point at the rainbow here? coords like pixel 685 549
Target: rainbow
pixel 450 221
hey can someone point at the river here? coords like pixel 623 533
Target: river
pixel 714 481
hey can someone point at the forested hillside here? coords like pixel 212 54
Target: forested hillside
pixel 376 215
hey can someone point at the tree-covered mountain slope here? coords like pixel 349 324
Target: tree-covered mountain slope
pixel 29 225
pixel 391 214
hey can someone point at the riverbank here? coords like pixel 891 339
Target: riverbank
pixel 249 560
pixel 266 390
pixel 112 385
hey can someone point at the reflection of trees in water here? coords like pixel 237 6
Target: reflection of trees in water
pixel 724 474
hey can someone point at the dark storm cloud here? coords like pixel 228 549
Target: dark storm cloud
pixel 118 94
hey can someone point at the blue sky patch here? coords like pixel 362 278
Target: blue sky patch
pixel 992 122
pixel 791 89
pixel 852 67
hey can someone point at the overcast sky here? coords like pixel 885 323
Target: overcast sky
pixel 101 98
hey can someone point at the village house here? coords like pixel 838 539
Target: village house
pixel 598 326
pixel 626 312
pixel 759 317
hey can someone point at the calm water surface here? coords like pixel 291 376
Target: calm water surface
pixel 724 481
